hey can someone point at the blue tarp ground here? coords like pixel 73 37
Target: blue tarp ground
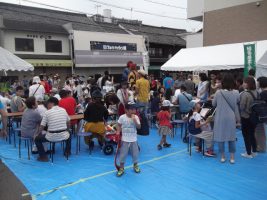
pixel 167 174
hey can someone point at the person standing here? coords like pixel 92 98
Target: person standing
pixel 126 72
pixel 36 89
pixel 127 126
pixel 168 82
pixel 203 88
pixel 248 128
pixel 260 131
pixel 190 85
pixel 226 117
pixel 142 90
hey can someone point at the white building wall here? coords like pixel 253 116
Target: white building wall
pixel 82 39
pixel 39 43
pixel 195 40
pixel 210 5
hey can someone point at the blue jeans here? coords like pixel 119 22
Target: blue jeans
pixel 231 146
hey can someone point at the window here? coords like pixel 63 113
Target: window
pixel 53 46
pixel 22 44
pixel 155 52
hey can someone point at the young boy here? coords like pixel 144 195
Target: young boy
pixel 127 125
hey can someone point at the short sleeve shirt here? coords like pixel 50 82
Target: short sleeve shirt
pixel 128 128
pixel 168 82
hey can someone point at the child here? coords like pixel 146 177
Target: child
pixel 165 126
pixel 197 126
pixel 127 125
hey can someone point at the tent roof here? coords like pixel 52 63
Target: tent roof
pixel 10 62
pixel 220 57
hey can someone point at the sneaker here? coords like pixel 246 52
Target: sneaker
pixel 245 155
pixel 159 147
pixel 136 169
pixel 43 159
pixel 166 145
pixel 232 161
pixel 157 126
pixel 120 172
pixel 223 160
pixel 209 153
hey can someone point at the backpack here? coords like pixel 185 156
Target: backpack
pixel 258 110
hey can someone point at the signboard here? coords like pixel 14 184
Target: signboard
pixel 249 58
pixel 112 46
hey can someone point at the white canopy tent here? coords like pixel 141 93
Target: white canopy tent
pixel 220 57
pixel 262 66
pixel 11 62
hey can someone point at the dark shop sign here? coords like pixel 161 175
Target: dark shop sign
pixel 113 46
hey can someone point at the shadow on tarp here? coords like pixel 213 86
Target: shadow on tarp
pixel 166 174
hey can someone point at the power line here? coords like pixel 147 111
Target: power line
pixel 83 23
pixel 164 4
pixel 137 11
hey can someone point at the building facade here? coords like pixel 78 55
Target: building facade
pixel 57 42
pixel 226 22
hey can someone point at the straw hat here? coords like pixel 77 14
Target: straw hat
pixel 142 72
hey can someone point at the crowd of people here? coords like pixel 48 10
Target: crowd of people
pixel 48 102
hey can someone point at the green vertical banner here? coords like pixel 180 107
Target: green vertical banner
pixel 250 58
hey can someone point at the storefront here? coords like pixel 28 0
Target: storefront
pixel 96 52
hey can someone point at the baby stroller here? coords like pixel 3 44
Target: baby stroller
pixel 111 139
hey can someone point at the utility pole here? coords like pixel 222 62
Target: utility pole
pixel 131 13
pixel 97 6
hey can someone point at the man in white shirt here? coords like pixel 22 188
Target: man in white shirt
pixel 37 90
pixel 58 122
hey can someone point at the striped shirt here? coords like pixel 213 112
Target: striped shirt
pixel 56 120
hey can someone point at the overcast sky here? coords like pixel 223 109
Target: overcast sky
pixel 175 9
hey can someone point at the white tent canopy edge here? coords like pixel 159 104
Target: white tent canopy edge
pixel 219 57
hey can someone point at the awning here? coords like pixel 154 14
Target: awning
pixel 84 58
pixel 11 62
pixel 154 67
pixel 49 63
pixel 220 57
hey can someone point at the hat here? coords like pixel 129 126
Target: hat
pixel 166 103
pixel 142 72
pixel 130 105
pixel 97 94
pixel 36 79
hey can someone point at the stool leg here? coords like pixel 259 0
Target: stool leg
pixel 14 139
pixel 77 141
pixel 50 144
pixel 19 147
pixel 182 130
pixel 203 150
pixel 63 144
pixel 28 147
pixel 53 147
pixel 190 146
pixel 67 152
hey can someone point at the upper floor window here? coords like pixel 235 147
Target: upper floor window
pixel 155 52
pixel 22 44
pixel 53 46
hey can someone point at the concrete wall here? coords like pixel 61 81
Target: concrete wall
pixel 195 40
pixel 211 5
pixel 39 43
pixel 236 24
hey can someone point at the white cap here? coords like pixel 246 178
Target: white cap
pixel 36 79
pixel 142 72
pixel 166 103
